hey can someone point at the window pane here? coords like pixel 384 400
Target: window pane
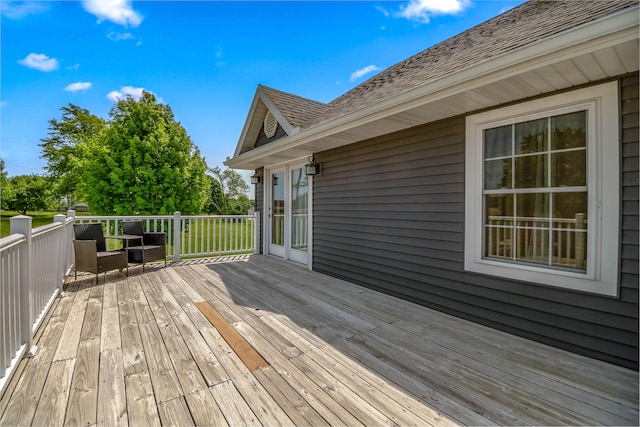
pixel 569 168
pixel 532 210
pixel 532 245
pixel 569 131
pixel 498 220
pixel 277 207
pixel 498 207
pixel 299 209
pixel 568 205
pixel 498 242
pixel 570 249
pixel 497 174
pixel 532 228
pixel 531 137
pixel 497 142
pixel 530 171
pixel 570 230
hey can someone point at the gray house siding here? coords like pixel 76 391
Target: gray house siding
pixel 389 215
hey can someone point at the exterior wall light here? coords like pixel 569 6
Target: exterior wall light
pixel 312 168
pixel 256 179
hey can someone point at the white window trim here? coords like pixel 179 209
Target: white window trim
pixel 601 276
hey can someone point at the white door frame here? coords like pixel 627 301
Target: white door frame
pixel 267 222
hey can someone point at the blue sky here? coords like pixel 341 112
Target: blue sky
pixel 202 58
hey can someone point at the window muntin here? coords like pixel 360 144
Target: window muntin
pixel 535 191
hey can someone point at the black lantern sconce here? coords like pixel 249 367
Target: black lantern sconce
pixel 256 179
pixel 312 168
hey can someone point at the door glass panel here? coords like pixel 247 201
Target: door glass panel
pixel 277 208
pixel 299 209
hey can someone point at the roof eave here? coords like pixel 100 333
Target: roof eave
pixel 605 32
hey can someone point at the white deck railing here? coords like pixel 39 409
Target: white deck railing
pixel 34 263
pixel 528 239
pixel 197 235
pixel 33 266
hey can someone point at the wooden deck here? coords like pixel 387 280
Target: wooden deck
pixel 144 351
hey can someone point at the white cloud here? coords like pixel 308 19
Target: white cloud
pixel 362 72
pixel 119 36
pixel 73 67
pixel 116 11
pixel 134 92
pixel 40 61
pixel 3 104
pixel 384 11
pixel 421 10
pixel 20 9
pixel 75 87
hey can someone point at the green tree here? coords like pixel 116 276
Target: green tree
pixel 63 148
pixel 232 187
pixel 30 193
pixel 214 197
pixel 143 163
pixel 6 189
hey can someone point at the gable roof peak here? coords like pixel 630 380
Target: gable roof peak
pixel 300 112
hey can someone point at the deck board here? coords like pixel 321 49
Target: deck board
pixel 137 351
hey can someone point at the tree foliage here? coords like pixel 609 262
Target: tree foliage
pixel 63 146
pixel 143 163
pixel 6 190
pixel 228 187
pixel 28 193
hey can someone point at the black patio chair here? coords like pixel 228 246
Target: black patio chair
pixel 152 245
pixel 91 253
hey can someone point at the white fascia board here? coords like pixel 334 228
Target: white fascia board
pixel 605 32
pixel 247 125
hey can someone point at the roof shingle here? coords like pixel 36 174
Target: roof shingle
pixel 516 28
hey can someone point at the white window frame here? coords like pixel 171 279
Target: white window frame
pixel 601 276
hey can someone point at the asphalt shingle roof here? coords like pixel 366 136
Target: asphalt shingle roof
pixel 516 28
pixel 298 111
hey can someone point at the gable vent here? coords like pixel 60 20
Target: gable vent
pixel 270 125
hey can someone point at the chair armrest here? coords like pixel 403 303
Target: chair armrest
pixel 154 239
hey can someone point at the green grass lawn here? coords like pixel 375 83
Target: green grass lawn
pixel 39 218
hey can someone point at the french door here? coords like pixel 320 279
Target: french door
pixel 289 213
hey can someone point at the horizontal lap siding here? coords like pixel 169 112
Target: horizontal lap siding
pixel 389 215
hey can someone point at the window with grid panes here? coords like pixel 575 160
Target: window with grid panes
pixel 542 190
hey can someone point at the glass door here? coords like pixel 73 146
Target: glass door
pixel 289 213
pixel 299 224
pixel 277 214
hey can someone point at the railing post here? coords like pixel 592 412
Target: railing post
pixel 62 252
pixel 176 236
pixel 22 224
pixel 256 232
pixel 580 243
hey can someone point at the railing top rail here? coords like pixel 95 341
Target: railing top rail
pixel 121 217
pixel 215 216
pixel 45 228
pixel 8 242
pixel 530 218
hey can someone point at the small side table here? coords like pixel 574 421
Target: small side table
pixel 126 238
